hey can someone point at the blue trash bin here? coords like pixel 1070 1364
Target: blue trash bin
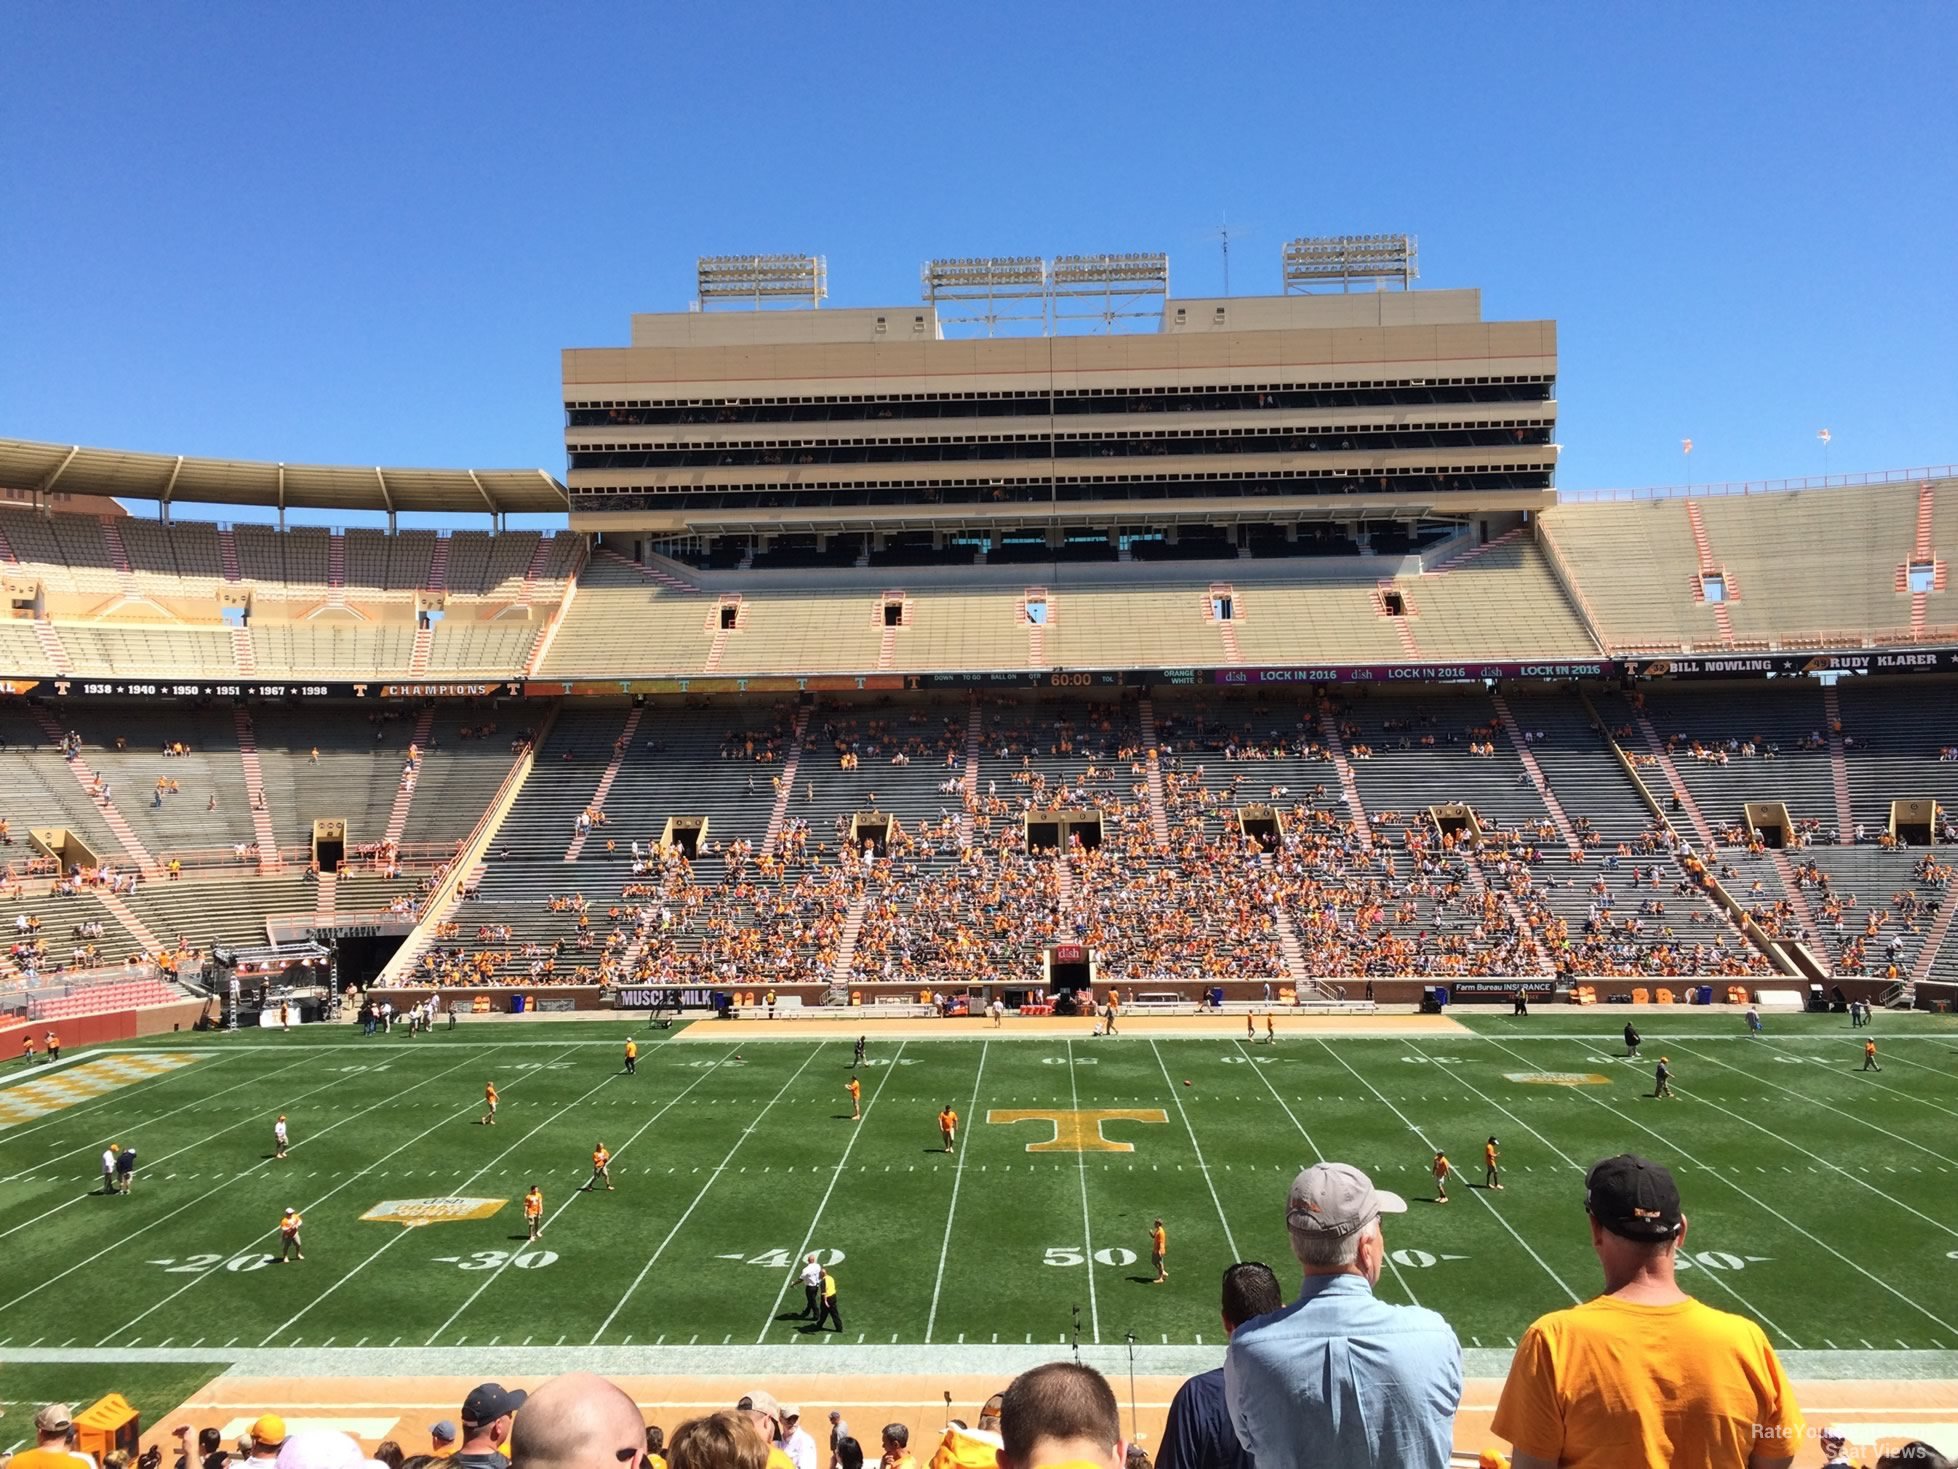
pixel 1441 996
pixel 1706 994
pixel 516 1004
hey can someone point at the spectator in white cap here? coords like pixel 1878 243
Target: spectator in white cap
pixel 796 1440
pixel 1339 1377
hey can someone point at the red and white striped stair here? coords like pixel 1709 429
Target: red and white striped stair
pixel 846 944
pixel 268 841
pixel 597 801
pixel 118 553
pixel 1158 807
pixel 418 660
pixel 656 574
pixel 778 814
pixel 404 794
pixel 1722 619
pixel 336 558
pixel 1036 631
pixel 243 653
pixel 1403 624
pixel 1535 772
pixel 1923 549
pixel 1839 765
pixel 132 847
pixel 969 785
pixel 1675 783
pixel 126 916
pixel 1348 785
pixel 438 564
pixel 326 896
pixel 51 645
pixel 539 559
pixel 228 554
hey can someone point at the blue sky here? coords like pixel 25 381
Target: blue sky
pixel 361 233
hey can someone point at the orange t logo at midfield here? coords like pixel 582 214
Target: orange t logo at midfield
pixel 1078 1132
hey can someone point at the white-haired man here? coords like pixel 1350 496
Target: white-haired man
pixel 1339 1377
pixel 812 1286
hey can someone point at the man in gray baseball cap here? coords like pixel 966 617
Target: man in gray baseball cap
pixel 1339 1377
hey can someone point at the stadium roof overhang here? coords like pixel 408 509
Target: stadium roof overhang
pixel 172 478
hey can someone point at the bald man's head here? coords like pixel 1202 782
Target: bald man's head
pixel 578 1421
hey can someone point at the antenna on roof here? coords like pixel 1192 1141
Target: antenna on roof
pixel 1223 234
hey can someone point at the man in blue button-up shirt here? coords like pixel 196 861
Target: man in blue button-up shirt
pixel 1337 1377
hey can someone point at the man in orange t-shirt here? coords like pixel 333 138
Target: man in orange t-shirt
pixel 948 1127
pixel 289 1223
pixel 1644 1374
pixel 601 1167
pixel 489 1100
pixel 533 1211
pixel 54 1447
pixel 855 1089
pixel 1159 1250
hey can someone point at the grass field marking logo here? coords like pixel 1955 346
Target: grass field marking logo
pixel 1077 1131
pixel 1557 1078
pixel 25 1100
pixel 413 1213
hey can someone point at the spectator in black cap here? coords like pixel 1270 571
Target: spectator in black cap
pixel 486 1415
pixel 1645 1374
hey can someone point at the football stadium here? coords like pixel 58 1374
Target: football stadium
pixel 969 784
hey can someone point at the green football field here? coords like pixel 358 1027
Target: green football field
pixel 1821 1198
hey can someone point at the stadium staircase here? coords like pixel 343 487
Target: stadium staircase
pixel 1478 883
pixel 540 559
pixel 1158 813
pixel 1348 785
pixel 228 555
pixel 112 817
pixel 621 748
pixel 1657 747
pixel 657 574
pixel 51 646
pixel 418 658
pixel 1923 549
pixel 404 795
pixel 326 895
pixel 846 944
pixel 1926 963
pixel 1722 618
pixel 974 723
pixel 118 555
pixel 243 652
pixel 437 577
pixel 1797 897
pixel 1535 772
pixel 126 916
pixel 542 644
pixel 778 814
pixel 1064 884
pixel 1839 767
pixel 7 550
pixel 248 761
pixel 1036 631
pixel 1403 624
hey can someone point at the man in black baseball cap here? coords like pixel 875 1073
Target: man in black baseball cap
pixel 1645 1374
pixel 486 1417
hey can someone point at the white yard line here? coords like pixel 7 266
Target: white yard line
pixel 855 1133
pixel 1765 1207
pixel 1476 1194
pixel 1230 1243
pixel 665 1107
pixel 88 1151
pixel 713 1175
pixel 404 1232
pixel 1819 1102
pixel 1714 1276
pixel 43 1217
pixel 205 1275
pixel 958 1177
pixel 121 1096
pixel 1702 1098
pixel 1087 1228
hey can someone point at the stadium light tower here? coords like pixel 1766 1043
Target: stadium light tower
pixel 1315 263
pixel 795 280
